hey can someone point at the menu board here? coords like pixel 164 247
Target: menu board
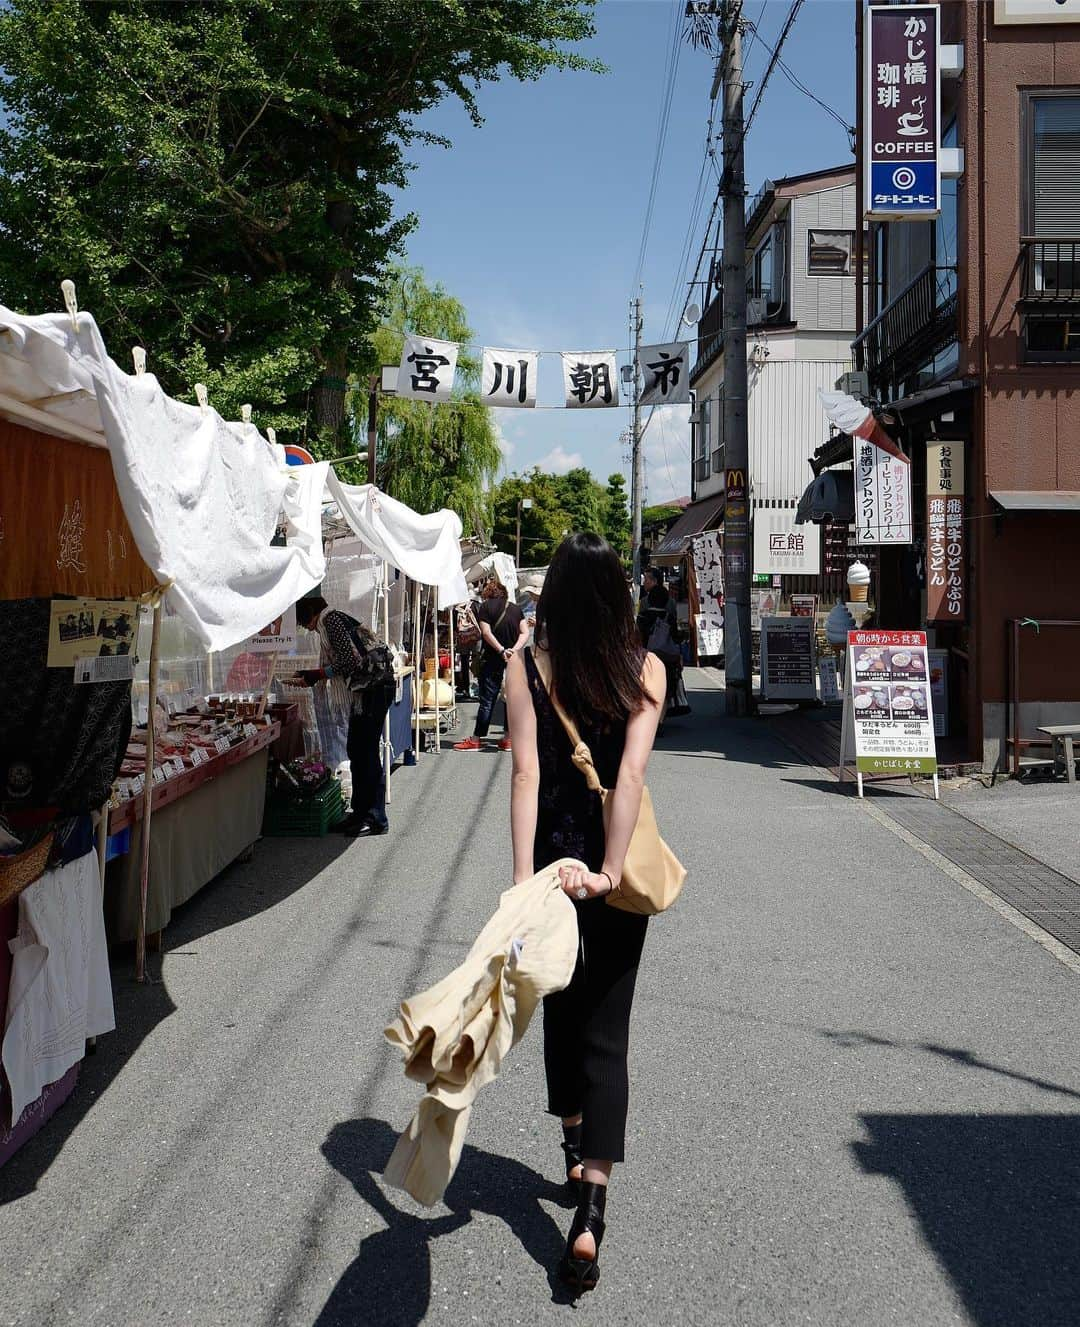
pixel 888 694
pixel 788 663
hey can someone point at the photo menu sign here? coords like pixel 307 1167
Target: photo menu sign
pixel 902 116
pixel 891 711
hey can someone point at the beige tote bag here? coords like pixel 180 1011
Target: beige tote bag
pixel 652 876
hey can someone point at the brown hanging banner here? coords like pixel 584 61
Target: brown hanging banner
pixel 946 572
pixel 62 528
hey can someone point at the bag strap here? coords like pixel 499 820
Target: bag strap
pixel 502 616
pixel 579 751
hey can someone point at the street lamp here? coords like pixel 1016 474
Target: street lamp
pixel 524 504
pixel 383 383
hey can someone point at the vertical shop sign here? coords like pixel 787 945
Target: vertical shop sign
pixel 882 495
pixel 945 554
pixel 902 114
pixel 736 534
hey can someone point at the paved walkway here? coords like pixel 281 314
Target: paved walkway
pixel 856 1091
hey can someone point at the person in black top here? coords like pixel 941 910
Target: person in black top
pixel 589 657
pixel 504 631
pixel 361 668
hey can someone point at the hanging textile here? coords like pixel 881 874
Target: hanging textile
pixel 590 378
pixel 665 374
pixel 509 378
pixel 427 369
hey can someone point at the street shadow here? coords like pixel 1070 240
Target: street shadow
pixel 997 1198
pixel 957 1055
pixel 389 1282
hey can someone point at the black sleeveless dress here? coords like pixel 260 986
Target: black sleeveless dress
pixel 586 1026
pixel 569 821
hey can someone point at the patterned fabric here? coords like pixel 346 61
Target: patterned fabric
pixel 356 665
pixel 569 821
pixel 60 744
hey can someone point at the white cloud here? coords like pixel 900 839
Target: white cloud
pixel 558 461
pixel 504 444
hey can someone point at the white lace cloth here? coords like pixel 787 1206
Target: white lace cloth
pixel 60 991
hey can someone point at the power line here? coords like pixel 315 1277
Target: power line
pixel 794 79
pixel 663 119
pixel 789 21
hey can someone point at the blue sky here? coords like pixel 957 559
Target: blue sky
pixel 534 221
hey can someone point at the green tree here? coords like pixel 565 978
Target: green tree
pixel 216 176
pixel 561 504
pixel 616 522
pixel 666 511
pixel 431 456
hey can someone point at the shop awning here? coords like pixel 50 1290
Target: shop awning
pixel 699 516
pixel 904 404
pixel 201 495
pixel 1022 499
pixel 426 548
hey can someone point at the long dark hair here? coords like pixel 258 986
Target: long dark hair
pixel 586 623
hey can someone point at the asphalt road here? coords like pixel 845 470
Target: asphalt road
pixel 856 1090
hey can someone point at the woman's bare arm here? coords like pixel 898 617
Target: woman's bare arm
pixel 525 780
pixel 626 798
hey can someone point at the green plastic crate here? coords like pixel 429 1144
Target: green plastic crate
pixel 305 817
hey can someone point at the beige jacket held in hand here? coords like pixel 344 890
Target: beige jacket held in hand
pixel 455 1035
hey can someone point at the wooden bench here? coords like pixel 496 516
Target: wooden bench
pixel 1063 735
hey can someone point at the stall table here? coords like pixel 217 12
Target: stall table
pixel 201 821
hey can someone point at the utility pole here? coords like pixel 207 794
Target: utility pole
pixel 372 424
pixel 637 470
pixel 738 659
pixel 523 504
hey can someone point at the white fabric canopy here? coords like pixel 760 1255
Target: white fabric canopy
pixel 202 496
pixel 426 548
pixel 478 566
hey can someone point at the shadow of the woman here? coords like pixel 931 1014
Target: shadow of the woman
pixel 389 1281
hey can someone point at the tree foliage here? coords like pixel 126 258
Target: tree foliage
pixel 431 456
pixel 562 504
pixel 215 176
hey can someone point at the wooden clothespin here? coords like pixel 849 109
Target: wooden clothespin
pixel 67 288
pixel 138 356
pixel 202 396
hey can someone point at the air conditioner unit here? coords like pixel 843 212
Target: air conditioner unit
pixel 855 384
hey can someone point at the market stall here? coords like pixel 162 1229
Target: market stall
pixel 427 551
pixel 117 504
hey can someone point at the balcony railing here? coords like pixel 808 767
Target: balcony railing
pixel 1051 270
pixel 915 326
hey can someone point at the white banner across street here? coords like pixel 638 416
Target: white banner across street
pixel 427 369
pixel 591 379
pixel 665 374
pixel 509 378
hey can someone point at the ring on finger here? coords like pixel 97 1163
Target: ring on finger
pixel 582 893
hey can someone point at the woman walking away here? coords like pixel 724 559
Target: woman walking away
pixel 590 658
pixel 504 631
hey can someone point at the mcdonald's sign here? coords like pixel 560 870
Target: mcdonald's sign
pixel 734 493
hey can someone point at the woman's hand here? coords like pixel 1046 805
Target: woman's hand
pixel 582 884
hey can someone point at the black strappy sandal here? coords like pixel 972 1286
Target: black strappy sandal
pixel 571 1146
pixel 584 1273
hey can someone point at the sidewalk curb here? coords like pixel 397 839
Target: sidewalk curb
pixel 1031 929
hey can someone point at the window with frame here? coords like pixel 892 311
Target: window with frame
pixel 703 440
pixel 718 450
pixel 1051 209
pixel 830 252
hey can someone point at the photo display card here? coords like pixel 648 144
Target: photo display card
pixel 91 628
pixel 891 709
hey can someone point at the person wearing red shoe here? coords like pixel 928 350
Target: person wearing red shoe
pixel 504 632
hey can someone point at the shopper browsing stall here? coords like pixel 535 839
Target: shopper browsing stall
pixel 504 633
pixel 354 662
